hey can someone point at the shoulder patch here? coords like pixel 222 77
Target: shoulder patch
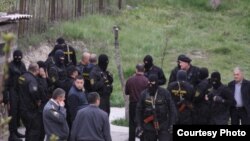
pixel 92 81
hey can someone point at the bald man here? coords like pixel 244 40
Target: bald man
pixel 240 111
pixel 84 69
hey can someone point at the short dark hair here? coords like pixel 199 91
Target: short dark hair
pixel 58 92
pixel 92 97
pixel 140 67
pixel 33 67
pixel 79 77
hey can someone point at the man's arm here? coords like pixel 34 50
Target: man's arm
pixel 106 129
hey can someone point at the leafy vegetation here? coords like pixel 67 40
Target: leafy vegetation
pixel 120 122
pixel 218 39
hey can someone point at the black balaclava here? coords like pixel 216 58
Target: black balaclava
pixel 148 62
pixel 103 62
pixel 215 80
pixel 153 84
pixel 203 73
pixel 60 40
pixel 181 75
pixel 59 57
pixel 17 56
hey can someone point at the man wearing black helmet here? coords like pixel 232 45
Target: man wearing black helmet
pixel 69 52
pixel 101 81
pixel 221 99
pixel 155 113
pixel 11 96
pixel 150 68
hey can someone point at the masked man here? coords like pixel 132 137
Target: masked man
pixel 221 100
pixel 15 69
pixel 155 112
pixel 101 81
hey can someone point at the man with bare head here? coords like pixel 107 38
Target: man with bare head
pixel 93 59
pixel 30 103
pixel 84 70
pixel 240 87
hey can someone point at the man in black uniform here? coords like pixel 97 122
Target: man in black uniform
pixel 30 102
pixel 57 73
pixel 150 68
pixel 11 96
pixel 84 69
pixel 221 99
pixel 240 88
pixel 182 93
pixel 69 52
pixel 101 81
pixel 201 105
pixel 174 71
pixel 192 71
pixel 155 112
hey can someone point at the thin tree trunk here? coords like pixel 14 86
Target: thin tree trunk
pixel 120 70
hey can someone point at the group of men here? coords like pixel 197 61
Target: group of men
pixel 191 98
pixel 48 95
pixel 60 97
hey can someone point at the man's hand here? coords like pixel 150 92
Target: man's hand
pixel 218 99
pixel 61 103
pixel 138 131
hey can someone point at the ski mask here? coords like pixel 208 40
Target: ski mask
pixel 152 84
pixel 148 62
pixel 203 73
pixel 60 40
pixel 215 80
pixel 17 56
pixel 59 57
pixel 103 62
pixel 181 75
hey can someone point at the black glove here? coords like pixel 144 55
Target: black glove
pixel 218 99
pixel 138 131
pixel 110 77
pixel 6 97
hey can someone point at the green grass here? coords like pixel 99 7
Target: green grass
pixel 220 37
pixel 120 122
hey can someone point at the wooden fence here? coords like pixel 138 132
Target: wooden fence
pixel 49 11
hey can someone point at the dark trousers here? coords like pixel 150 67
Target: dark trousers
pixel 105 104
pixel 132 123
pixel 14 111
pixel 239 114
pixel 163 135
pixel 34 126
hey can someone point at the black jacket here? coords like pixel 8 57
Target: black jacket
pixel 245 91
pixel 220 110
pixel 158 71
pixel 29 94
pixel 164 108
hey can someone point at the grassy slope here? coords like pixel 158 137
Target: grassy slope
pixel 217 39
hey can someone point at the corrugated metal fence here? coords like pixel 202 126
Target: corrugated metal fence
pixel 49 11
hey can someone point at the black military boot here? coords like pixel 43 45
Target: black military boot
pixel 13 137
